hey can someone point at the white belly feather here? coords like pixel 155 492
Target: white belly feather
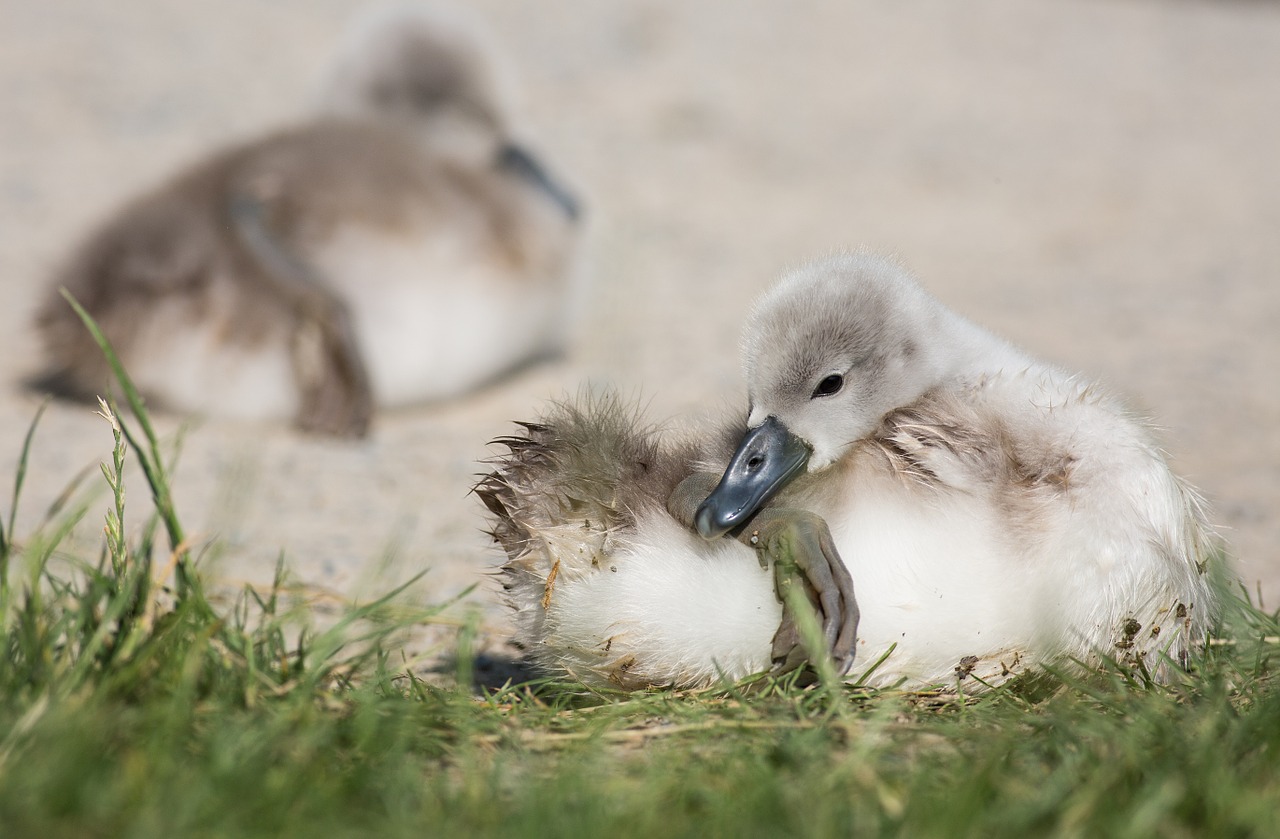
pixel 664 608
pixel 436 316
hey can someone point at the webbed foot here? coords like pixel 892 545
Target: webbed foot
pixel 802 552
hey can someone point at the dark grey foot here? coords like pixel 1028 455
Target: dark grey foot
pixel 803 553
pixel 798 543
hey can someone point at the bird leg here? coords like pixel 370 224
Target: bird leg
pixel 798 545
pixel 802 551
pixel 336 396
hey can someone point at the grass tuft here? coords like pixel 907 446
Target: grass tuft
pixel 129 707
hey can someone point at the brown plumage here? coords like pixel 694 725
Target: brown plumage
pixel 297 275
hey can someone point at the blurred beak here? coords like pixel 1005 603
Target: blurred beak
pixel 516 160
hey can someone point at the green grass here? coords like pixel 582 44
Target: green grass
pixel 134 704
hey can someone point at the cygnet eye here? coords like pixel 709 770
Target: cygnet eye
pixel 831 384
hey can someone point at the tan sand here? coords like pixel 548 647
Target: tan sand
pixel 1098 181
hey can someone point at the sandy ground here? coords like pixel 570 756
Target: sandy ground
pixel 1097 181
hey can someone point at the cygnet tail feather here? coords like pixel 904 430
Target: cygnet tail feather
pixel 570 486
pixel 593 463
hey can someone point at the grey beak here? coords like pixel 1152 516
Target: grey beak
pixel 519 162
pixel 768 457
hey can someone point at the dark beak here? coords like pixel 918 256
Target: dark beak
pixel 768 457
pixel 514 159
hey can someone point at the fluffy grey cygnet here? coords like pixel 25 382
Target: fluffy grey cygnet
pixel 992 512
pixel 400 246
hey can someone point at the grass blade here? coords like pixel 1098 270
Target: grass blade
pixel 149 456
pixel 6 533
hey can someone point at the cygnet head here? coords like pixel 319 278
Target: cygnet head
pixel 435 73
pixel 831 350
pixel 430 70
pixel 834 347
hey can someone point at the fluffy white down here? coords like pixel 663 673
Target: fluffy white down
pixel 433 319
pixel 951 580
pixel 944 587
pixel 437 315
pixel 941 586
pixel 665 606
pixel 962 584
pixel 182 357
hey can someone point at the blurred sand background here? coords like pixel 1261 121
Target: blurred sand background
pixel 1097 181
